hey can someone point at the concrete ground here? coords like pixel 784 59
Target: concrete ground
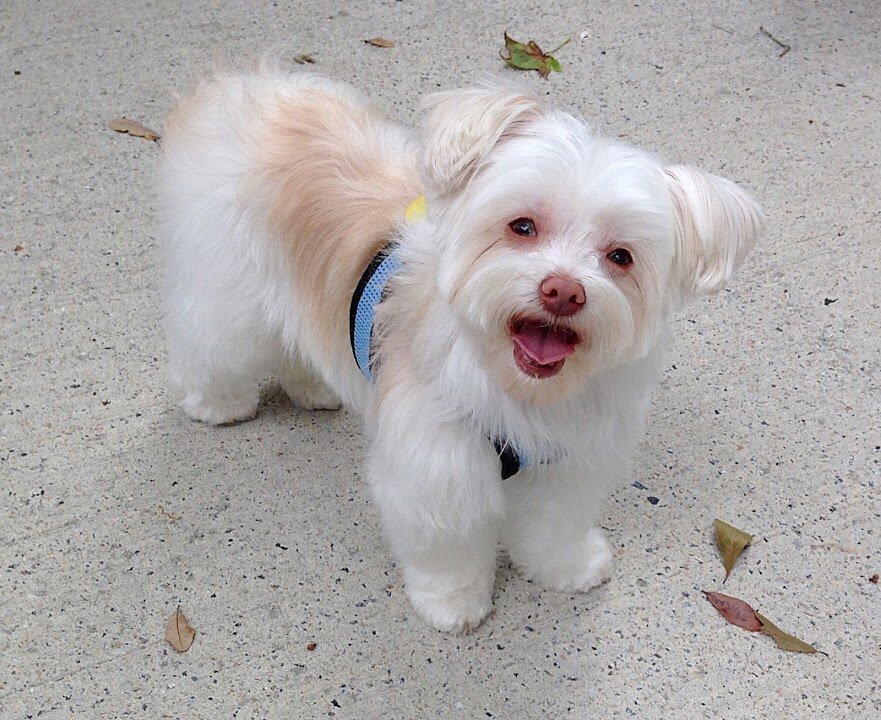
pixel 115 508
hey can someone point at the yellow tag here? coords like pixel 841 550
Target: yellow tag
pixel 416 210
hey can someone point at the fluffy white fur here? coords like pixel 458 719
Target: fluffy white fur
pixel 278 189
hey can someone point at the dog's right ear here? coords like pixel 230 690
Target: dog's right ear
pixel 462 126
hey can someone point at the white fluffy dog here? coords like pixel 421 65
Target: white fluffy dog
pixel 508 329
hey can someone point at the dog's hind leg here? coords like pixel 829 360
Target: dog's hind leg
pixel 216 382
pixel 305 389
pixel 218 348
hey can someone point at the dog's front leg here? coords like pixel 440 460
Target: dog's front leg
pixel 439 493
pixel 549 528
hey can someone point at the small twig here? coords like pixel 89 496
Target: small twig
pixel 786 48
pixel 565 42
pixel 723 29
pixel 171 516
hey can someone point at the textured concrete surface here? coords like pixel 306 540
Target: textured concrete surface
pixel 114 508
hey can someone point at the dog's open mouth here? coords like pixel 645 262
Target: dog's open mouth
pixel 540 350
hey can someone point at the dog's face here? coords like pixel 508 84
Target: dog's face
pixel 562 253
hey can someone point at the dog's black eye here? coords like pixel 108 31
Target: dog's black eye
pixel 620 256
pixel 523 227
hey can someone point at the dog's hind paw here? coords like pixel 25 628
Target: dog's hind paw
pixel 221 411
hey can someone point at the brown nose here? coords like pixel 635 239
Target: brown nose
pixel 561 295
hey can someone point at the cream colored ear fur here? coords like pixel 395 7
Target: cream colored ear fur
pixel 462 126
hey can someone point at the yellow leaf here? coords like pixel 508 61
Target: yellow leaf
pixel 731 542
pixel 133 128
pixel 784 641
pixel 179 633
pixel 380 42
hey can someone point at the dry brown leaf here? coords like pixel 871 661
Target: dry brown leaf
pixel 17 249
pixel 179 633
pixel 380 42
pixel 784 641
pixel 133 127
pixel 731 542
pixel 735 611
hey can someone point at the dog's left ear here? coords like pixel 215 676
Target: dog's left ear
pixel 462 127
pixel 716 224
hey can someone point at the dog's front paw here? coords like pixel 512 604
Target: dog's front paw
pixel 455 611
pixel 579 568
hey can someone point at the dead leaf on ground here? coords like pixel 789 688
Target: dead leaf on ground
pixel 380 42
pixel 179 633
pixel 304 59
pixel 784 641
pixel 735 611
pixel 529 56
pixel 133 128
pixel 17 249
pixel 731 542
pixel 874 579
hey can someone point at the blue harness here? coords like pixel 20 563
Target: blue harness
pixel 362 313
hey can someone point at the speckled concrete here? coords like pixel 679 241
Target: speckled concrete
pixel 114 507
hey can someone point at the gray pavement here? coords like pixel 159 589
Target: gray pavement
pixel 115 508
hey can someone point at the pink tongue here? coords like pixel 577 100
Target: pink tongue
pixel 543 344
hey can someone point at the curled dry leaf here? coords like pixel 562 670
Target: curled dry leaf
pixel 731 542
pixel 735 611
pixel 529 56
pixel 179 633
pixel 784 641
pixel 134 128
pixel 380 42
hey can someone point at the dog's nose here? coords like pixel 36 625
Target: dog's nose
pixel 561 295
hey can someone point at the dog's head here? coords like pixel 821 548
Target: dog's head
pixel 562 253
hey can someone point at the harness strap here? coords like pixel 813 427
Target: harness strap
pixel 512 463
pixel 362 311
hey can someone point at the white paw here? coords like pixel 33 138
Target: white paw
pixel 311 394
pixel 458 611
pixel 221 411
pixel 315 399
pixel 580 568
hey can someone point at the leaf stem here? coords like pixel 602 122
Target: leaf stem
pixel 565 42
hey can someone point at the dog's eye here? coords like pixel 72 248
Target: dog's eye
pixel 620 256
pixel 523 227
